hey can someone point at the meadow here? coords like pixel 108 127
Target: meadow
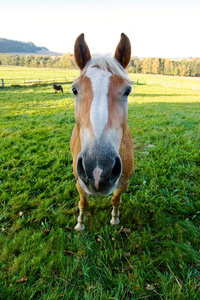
pixel 155 251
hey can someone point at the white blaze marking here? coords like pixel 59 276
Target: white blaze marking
pixel 97 173
pixel 99 109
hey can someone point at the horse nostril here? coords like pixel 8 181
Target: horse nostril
pixel 80 169
pixel 116 170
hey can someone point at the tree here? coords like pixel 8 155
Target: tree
pixel 161 66
pixel 147 66
pixel 28 60
pixel 21 61
pixel 183 70
pixel 66 61
pixel 138 65
pixel 168 67
pixel 176 71
pixel 194 66
pixel 155 65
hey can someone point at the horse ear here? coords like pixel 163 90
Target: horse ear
pixel 81 51
pixel 123 51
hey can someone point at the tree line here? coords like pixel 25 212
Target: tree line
pixel 34 61
pixel 164 66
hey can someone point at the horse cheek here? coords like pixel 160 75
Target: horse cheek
pixel 75 146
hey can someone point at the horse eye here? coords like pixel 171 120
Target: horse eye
pixel 74 91
pixel 127 92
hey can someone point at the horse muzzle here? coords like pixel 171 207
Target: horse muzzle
pixel 98 172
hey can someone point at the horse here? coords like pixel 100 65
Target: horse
pixel 57 88
pixel 101 141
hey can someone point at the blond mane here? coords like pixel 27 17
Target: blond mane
pixel 107 63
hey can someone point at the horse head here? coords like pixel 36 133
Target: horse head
pixel 101 93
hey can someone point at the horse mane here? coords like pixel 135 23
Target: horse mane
pixel 107 63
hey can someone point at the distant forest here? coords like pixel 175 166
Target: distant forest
pixel 7 46
pixel 184 67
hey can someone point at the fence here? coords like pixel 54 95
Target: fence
pixel 32 82
pixel 168 84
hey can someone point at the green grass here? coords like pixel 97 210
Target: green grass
pixel 12 72
pixel 156 256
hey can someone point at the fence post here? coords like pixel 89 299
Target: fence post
pixel 2 81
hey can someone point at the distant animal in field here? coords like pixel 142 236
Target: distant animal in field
pixel 57 87
pixel 101 142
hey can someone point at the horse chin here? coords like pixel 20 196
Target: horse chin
pixel 92 192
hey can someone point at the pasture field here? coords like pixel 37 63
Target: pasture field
pixel 153 254
pixel 12 72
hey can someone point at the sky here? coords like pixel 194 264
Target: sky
pixel 165 28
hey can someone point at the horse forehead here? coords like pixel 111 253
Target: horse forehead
pixel 101 79
pixel 98 77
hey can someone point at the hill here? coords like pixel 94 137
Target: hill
pixel 8 46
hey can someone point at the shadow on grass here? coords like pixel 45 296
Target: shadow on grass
pixel 32 85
